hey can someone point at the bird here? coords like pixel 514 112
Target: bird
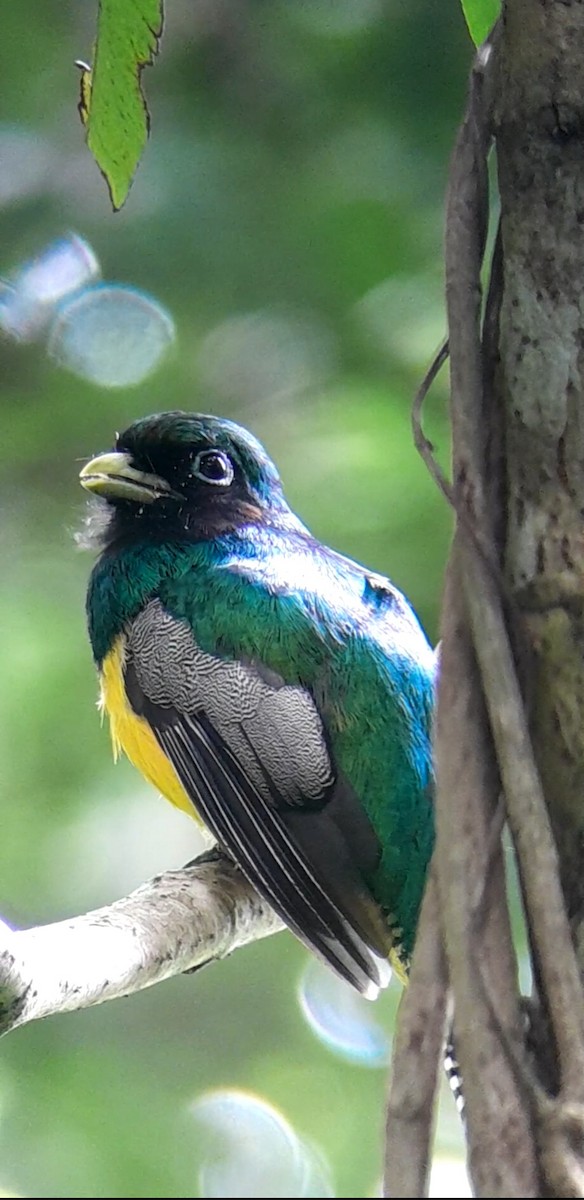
pixel 266 684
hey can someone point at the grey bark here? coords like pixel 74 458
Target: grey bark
pixel 509 735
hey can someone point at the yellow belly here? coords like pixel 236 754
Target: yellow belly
pixel 133 735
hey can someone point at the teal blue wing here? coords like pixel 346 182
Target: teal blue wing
pixel 349 637
pixel 252 753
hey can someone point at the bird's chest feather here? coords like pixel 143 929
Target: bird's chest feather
pixel 132 734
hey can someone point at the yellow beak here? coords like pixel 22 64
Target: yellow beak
pixel 113 477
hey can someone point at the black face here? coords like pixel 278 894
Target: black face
pixel 183 468
pixel 180 475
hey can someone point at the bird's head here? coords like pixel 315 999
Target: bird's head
pixel 178 474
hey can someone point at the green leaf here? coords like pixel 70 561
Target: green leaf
pixel 480 17
pixel 112 105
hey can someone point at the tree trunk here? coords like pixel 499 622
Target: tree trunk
pixel 510 716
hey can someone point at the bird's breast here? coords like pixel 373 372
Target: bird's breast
pixel 132 733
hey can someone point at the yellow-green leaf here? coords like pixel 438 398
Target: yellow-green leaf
pixel 112 106
pixel 480 17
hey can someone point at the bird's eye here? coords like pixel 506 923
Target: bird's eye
pixel 214 467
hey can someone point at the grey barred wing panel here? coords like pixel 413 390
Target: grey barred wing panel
pixel 252 754
pixel 271 727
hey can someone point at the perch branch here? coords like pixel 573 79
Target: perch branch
pixel 176 922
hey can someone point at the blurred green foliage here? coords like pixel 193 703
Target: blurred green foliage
pixel 288 212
